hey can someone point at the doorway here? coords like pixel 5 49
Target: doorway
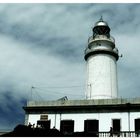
pixel 67 126
pixel 116 124
pixel 91 126
pixel 44 124
pixel 137 125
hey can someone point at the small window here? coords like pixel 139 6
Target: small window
pixel 44 117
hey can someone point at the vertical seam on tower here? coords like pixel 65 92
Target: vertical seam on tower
pixel 110 77
pixel 116 78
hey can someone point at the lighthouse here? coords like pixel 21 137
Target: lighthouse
pixel 101 56
pixel 102 109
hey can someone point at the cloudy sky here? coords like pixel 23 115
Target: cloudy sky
pixel 42 46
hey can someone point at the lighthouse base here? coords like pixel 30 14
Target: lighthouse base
pixel 101 77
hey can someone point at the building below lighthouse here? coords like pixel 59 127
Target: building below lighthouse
pixel 101 113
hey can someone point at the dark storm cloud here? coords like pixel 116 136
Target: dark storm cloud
pixel 14 115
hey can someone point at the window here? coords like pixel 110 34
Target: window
pixel 67 126
pixel 44 117
pixel 91 126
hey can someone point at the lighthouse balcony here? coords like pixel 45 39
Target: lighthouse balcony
pixel 101 50
pixel 101 37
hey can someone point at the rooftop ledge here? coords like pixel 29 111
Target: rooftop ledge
pixel 83 102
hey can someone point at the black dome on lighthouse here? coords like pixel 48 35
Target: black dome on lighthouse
pixel 101 23
pixel 101 28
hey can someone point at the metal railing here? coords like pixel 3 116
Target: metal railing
pixel 101 37
pixel 119 134
pixel 106 134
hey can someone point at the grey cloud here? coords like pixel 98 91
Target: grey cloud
pixel 46 30
pixel 122 18
pixel 43 45
pixel 22 68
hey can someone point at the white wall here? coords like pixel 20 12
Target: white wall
pixel 33 118
pixel 101 77
pixel 105 120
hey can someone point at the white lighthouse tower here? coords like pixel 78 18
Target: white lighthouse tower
pixel 101 56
